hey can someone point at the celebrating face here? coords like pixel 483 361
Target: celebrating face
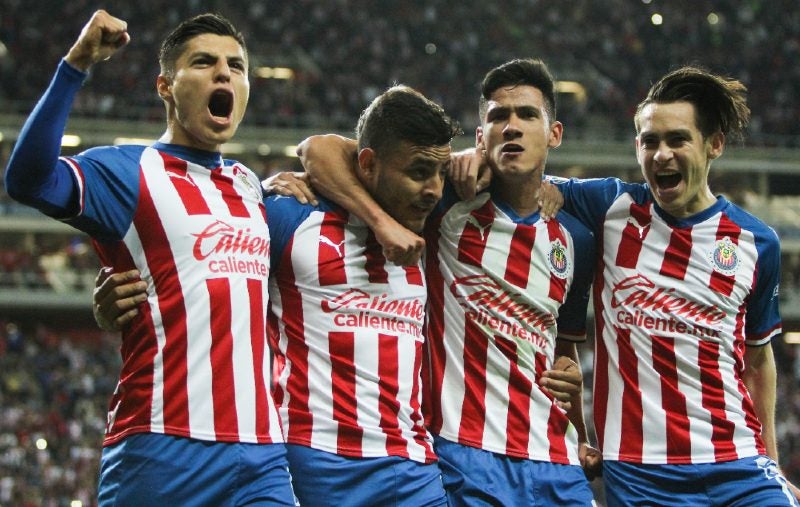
pixel 207 95
pixel 516 132
pixel 675 157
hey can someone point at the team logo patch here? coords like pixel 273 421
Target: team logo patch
pixel 724 258
pixel 242 175
pixel 559 261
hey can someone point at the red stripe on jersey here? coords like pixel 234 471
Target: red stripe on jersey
pixel 473 412
pixel 747 404
pixel 343 384
pixel 558 286
pixel 376 262
pixel 676 257
pixel 414 275
pixel 416 415
pixel 433 368
pixel 720 282
pixel 232 198
pixel 258 343
pixel 388 403
pixel 331 251
pixel 714 400
pixel 672 399
pixel 222 381
pixel 298 412
pixel 190 194
pixel 473 237
pixel 633 236
pixel 631 430
pixel 137 354
pixel 518 420
pixel 156 248
pixel 557 423
pixel 518 265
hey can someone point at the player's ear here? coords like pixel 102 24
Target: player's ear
pixel 164 87
pixel 479 138
pixel 366 162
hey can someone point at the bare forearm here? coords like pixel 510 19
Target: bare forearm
pixel 760 378
pixel 330 161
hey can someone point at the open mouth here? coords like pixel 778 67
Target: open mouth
pixel 668 180
pixel 220 104
pixel 512 148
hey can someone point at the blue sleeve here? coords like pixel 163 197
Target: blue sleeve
pixel 763 306
pixel 35 176
pixel 572 314
pixel 284 216
pixel 589 200
pixel 110 177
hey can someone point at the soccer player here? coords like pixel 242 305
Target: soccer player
pixel 350 345
pixel 507 294
pixel 686 304
pixel 346 325
pixel 191 421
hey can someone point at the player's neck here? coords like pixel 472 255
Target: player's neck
pixel 522 197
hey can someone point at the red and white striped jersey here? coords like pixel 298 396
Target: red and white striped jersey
pixel 498 284
pixel 195 361
pixel 676 301
pixel 347 330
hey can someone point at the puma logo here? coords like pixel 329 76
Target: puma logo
pixel 641 229
pixel 482 228
pixel 336 246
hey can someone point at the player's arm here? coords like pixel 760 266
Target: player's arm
pixel 34 175
pixel 331 162
pixel 565 382
pixel 760 378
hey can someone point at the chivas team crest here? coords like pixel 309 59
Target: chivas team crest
pixel 724 257
pixel 559 261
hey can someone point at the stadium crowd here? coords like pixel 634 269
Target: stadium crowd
pixel 343 52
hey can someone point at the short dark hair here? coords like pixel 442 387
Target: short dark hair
pixel 527 71
pixel 403 114
pixel 174 44
pixel 720 102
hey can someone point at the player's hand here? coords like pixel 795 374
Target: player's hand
pixel 291 184
pixel 550 200
pixel 591 461
pixel 100 38
pixel 401 246
pixel 117 297
pixel 563 381
pixel 469 172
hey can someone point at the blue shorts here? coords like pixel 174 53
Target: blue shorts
pixel 326 479
pixel 475 477
pixel 159 470
pixel 743 482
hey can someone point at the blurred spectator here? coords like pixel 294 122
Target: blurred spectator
pixel 344 52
